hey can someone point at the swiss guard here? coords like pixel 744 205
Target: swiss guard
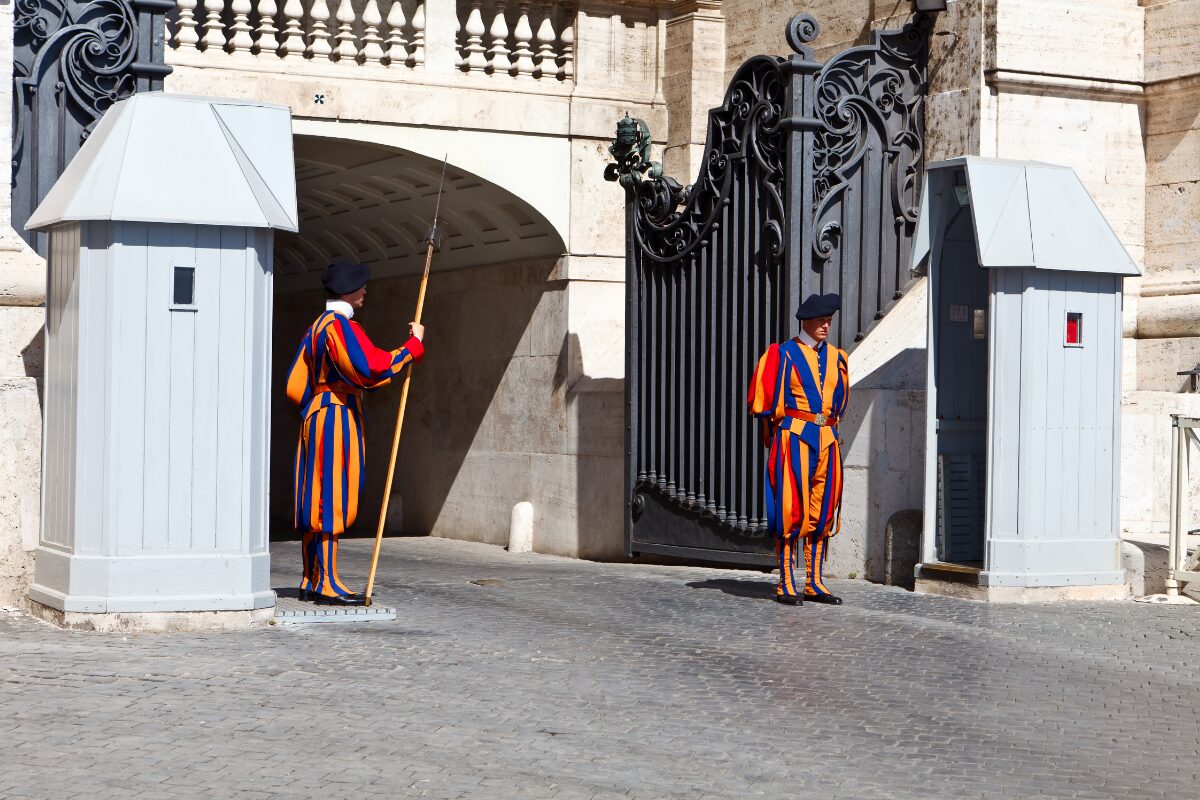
pixel 335 365
pixel 800 390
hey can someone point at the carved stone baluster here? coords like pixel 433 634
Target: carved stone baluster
pixel 239 38
pixel 372 53
pixel 318 46
pixel 418 54
pixel 459 45
pixel 214 27
pixel 347 42
pixel 268 34
pixel 567 70
pixel 185 29
pixel 547 66
pixel 522 55
pixel 293 34
pixel 474 49
pixel 397 45
pixel 499 51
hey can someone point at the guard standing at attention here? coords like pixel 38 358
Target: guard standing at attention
pixel 800 390
pixel 336 364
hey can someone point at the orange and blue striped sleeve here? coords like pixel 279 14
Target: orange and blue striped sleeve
pixel 841 395
pixel 299 383
pixel 363 364
pixel 764 397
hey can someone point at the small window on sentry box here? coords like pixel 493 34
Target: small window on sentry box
pixel 184 289
pixel 1074 333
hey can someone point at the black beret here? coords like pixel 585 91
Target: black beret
pixel 819 305
pixel 344 277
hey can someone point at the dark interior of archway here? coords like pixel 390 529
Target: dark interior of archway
pixel 493 274
pixel 373 204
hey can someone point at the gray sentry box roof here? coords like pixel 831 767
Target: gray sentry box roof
pixel 158 326
pixel 1022 457
pixel 245 174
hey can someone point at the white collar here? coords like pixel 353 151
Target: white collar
pixel 808 340
pixel 340 307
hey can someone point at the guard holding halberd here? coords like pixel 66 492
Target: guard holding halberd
pixel 800 390
pixel 335 365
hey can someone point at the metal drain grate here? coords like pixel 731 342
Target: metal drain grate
pixel 290 611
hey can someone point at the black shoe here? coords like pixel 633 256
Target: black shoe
pixel 826 599
pixel 305 594
pixel 341 600
pixel 789 599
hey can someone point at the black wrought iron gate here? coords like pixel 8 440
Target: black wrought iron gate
pixel 809 183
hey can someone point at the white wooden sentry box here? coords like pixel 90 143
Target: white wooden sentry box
pixel 1024 382
pixel 158 325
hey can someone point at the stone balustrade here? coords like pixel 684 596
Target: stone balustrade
pixel 517 38
pixel 522 40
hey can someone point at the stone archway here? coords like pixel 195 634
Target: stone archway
pixel 485 401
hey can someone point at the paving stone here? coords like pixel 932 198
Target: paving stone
pixel 532 676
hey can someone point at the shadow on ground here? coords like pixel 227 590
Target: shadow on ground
pixel 757 589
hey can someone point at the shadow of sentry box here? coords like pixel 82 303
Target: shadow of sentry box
pixel 158 320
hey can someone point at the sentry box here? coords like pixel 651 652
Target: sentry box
pixel 1024 383
pixel 158 325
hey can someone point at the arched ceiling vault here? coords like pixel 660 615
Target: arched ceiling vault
pixel 365 202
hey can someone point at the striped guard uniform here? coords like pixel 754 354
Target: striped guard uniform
pixel 804 463
pixel 336 363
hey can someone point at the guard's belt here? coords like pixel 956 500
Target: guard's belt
pixel 816 419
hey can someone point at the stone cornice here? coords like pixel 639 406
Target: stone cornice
pixel 1014 80
pixel 1179 83
pixel 679 8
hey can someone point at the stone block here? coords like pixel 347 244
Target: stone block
pixel 20 484
pixel 1159 361
pixel 590 268
pixel 1173 214
pixel 1172 49
pixel 1058 37
pixel 598 213
pixel 1163 316
pixel 902 547
pixel 1172 108
pixel 1173 158
pixel 22 341
pixel 596 322
pixel 952 124
pixel 600 506
pixel 596 418
pixel 1146 458
pixel 22 272
pixel 1133 561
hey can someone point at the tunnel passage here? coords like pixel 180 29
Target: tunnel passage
pixel 484 402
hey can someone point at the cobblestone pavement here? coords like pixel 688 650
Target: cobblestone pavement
pixel 569 679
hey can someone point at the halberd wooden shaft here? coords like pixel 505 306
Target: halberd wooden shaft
pixel 387 487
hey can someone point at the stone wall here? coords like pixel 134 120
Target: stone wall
pixel 22 293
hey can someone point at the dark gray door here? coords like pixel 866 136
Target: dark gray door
pixel 809 183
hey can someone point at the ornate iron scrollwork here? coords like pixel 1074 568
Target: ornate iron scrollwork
pixel 878 88
pixel 670 220
pixel 72 61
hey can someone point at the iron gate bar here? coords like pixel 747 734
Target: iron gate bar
pixel 808 183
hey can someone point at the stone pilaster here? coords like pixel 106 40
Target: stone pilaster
pixel 22 293
pixel 1168 323
pixel 693 82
